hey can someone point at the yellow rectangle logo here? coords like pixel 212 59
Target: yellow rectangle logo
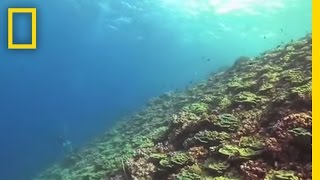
pixel 33 44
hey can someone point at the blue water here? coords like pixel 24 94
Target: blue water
pixel 98 60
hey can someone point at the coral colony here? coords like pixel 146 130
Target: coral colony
pixel 251 122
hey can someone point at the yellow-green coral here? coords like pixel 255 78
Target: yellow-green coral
pixel 221 178
pixel 227 122
pixel 210 138
pixel 233 151
pixel 247 99
pixel 253 142
pixel 270 70
pixel 238 84
pixel 197 108
pixel 265 87
pixel 188 175
pixel 221 100
pixel 293 76
pixel 158 132
pixel 166 163
pixel 248 153
pixel 229 150
pixel 303 89
pixel 217 166
pixel 281 175
pixel 184 118
pixel 302 136
pixel 158 156
pixel 224 102
pixel 142 142
pixel 180 158
pixel 300 132
pixel 177 159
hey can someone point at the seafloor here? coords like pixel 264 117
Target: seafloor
pixel 251 121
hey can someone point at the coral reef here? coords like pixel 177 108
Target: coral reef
pixel 227 122
pixel 281 175
pixel 252 121
pixel 217 166
pixel 254 169
pixel 210 138
pixel 196 108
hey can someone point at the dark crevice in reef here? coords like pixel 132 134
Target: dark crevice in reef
pixel 252 121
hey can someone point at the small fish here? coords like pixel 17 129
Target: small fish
pixel 281 29
pixel 208 59
pixel 190 82
pixel 264 37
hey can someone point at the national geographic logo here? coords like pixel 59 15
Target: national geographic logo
pixel 33 12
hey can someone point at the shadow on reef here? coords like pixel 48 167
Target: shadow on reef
pixel 252 121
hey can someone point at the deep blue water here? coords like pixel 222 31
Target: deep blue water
pixel 99 60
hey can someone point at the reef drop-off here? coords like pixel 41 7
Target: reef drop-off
pixel 252 121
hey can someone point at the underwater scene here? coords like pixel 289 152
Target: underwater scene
pixel 157 90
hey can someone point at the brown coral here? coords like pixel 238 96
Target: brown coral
pixel 295 120
pixel 198 153
pixel 254 170
pixel 141 169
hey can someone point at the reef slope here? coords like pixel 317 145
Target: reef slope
pixel 251 122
